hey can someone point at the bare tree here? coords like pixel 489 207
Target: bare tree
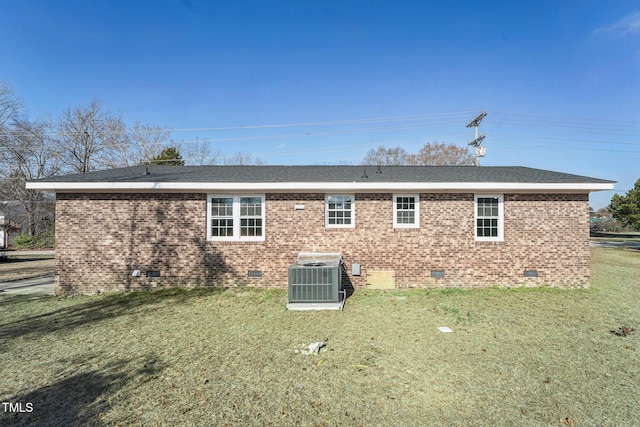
pixel 148 142
pixel 10 106
pixel 30 149
pixel 30 154
pixel 441 154
pixel 25 153
pixel 242 158
pixel 89 138
pixel 9 113
pixel 199 152
pixel 386 156
pixel 145 142
pixel 114 148
pixel 431 154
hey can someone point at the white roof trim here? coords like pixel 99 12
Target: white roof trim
pixel 316 186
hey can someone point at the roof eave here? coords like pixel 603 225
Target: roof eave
pixel 356 186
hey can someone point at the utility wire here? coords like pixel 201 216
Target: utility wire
pixel 498 118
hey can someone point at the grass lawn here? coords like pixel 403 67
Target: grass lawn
pixel 520 357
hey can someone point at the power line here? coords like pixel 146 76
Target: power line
pixel 591 141
pixel 570 122
pixel 539 116
pixel 503 119
pixel 418 117
pixel 326 123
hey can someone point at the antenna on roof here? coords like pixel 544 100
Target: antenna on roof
pixel 479 151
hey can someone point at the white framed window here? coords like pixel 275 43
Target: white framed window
pixel 406 211
pixel 220 217
pixel 489 217
pixel 340 211
pixel 235 217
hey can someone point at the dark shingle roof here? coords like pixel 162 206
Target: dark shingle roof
pixel 332 174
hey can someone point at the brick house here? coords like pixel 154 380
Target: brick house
pixel 417 226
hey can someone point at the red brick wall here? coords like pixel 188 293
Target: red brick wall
pixel 102 238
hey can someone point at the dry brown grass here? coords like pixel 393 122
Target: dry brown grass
pixel 521 357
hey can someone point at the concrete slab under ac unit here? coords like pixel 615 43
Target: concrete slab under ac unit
pixel 314 306
pixel 381 279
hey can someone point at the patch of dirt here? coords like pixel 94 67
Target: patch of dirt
pixel 24 268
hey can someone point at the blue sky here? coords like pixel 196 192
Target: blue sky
pixel 315 82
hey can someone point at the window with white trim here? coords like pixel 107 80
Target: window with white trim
pixel 489 217
pixel 340 211
pixel 221 213
pixel 406 211
pixel 235 217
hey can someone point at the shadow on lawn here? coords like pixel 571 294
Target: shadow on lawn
pixel 93 310
pixel 80 399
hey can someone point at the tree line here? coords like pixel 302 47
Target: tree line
pixel 431 154
pixel 626 208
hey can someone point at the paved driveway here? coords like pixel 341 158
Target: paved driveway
pixel 614 244
pixel 42 285
pixel 35 252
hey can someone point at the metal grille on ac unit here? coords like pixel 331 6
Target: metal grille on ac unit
pixel 315 278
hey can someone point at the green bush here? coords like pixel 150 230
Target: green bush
pixel 25 241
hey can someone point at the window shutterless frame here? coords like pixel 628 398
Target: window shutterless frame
pixel 406 211
pixel 339 211
pixel 489 217
pixel 235 217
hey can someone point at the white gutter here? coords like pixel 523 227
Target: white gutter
pixel 314 186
